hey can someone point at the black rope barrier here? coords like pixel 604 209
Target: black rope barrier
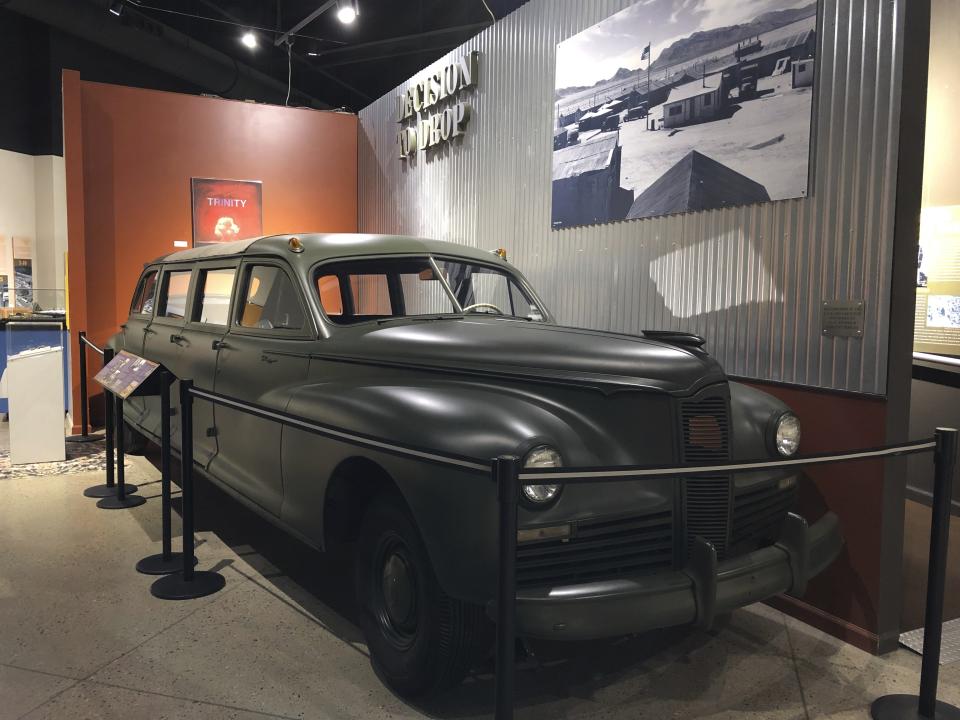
pixel 510 478
pixel 85 435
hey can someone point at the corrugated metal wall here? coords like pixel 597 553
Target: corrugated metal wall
pixel 751 280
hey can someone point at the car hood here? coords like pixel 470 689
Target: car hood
pixel 532 351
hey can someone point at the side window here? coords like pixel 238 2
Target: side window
pixel 173 294
pixel 144 296
pixel 371 295
pixel 330 297
pixel 216 287
pixel 270 300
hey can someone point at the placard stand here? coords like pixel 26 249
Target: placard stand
pixel 110 487
pixel 122 375
pixel 124 497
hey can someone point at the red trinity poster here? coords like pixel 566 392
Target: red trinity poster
pixel 226 210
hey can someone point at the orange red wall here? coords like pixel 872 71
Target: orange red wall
pixel 130 154
pixel 845 598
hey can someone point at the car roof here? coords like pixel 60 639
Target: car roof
pixel 326 246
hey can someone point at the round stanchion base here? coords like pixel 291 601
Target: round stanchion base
pixel 85 438
pixel 174 587
pixel 158 565
pixel 105 491
pixel 115 503
pixel 907 707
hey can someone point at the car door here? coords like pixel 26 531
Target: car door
pixel 262 361
pixel 201 341
pixel 133 330
pixel 162 343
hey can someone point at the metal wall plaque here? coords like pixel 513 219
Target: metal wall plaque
pixel 125 373
pixel 842 318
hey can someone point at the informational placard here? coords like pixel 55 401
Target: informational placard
pixel 937 325
pixel 125 373
pixel 842 318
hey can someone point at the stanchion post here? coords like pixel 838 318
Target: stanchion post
pixel 84 435
pixel 187 584
pixel 118 441
pixel 186 474
pixel 84 402
pixel 944 465
pixel 167 561
pixel 904 707
pixel 108 420
pixel 166 379
pixel 506 470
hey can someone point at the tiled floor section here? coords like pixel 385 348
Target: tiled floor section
pixel 81 636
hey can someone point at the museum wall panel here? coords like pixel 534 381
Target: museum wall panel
pixel 751 279
pixel 130 154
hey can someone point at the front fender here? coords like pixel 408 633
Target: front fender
pixel 455 417
pixel 752 413
pixel 456 510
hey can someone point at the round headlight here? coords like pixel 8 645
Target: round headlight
pixel 541 457
pixel 787 439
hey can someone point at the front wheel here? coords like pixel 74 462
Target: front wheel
pixel 421 640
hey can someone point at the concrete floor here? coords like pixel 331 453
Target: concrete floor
pixel 81 636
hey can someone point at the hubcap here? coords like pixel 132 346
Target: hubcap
pixel 397 593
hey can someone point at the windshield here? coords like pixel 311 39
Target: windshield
pixel 381 288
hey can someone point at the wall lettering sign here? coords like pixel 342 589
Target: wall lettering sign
pixel 425 122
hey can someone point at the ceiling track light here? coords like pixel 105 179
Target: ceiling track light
pixel 347 11
pixel 117 7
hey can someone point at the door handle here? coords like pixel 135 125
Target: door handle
pixel 176 339
pixel 219 345
pixel 267 359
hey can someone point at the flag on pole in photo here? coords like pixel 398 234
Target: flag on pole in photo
pixel 646 52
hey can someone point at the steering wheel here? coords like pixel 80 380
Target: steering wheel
pixel 493 307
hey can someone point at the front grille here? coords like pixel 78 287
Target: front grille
pixel 706 430
pixel 705 426
pixel 708 511
pixel 600 550
pixel 758 515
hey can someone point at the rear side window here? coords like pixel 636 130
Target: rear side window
pixel 173 294
pixel 145 294
pixel 270 301
pixel 216 288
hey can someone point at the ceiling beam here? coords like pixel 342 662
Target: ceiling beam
pixel 400 53
pixel 306 21
pixel 400 40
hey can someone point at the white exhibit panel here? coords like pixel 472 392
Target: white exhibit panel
pixel 33 383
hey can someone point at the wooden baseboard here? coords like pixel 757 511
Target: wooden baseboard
pixel 830 624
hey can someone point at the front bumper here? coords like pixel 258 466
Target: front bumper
pixel 693 595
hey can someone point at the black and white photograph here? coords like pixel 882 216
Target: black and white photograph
pixel 674 106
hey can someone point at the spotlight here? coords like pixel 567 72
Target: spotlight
pixel 249 39
pixel 116 7
pixel 347 11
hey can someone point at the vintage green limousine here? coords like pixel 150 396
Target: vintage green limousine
pixel 439 346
